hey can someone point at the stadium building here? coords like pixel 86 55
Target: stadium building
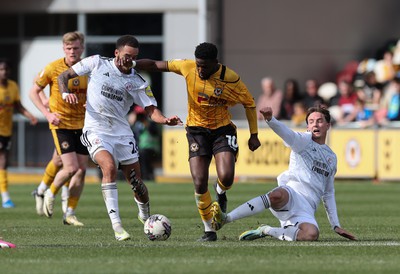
pixel 282 39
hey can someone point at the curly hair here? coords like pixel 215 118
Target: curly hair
pixel 206 51
pixel 127 40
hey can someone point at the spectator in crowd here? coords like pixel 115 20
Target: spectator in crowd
pixel 9 103
pixel 299 114
pixel 393 108
pixel 312 98
pixel 345 101
pixel 148 140
pixel 384 68
pixel 370 91
pixel 271 96
pixel 396 57
pixel 291 95
pixel 361 114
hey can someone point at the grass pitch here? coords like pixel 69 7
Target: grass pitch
pixel 44 245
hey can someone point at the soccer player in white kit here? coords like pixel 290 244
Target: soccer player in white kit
pixel 310 178
pixel 114 86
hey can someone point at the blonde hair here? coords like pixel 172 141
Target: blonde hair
pixel 70 37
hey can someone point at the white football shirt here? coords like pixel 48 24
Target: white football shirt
pixel 312 169
pixel 110 95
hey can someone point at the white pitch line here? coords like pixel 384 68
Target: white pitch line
pixel 349 243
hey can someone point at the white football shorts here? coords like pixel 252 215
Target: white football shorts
pixel 298 210
pixel 123 148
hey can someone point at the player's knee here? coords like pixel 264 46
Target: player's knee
pixel 200 176
pixel 278 197
pixel 308 232
pixel 71 170
pixel 225 182
pixel 307 236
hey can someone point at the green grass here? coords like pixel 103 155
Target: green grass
pixel 44 245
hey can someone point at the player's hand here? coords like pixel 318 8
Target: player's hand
pixel 342 232
pixel 173 121
pixel 125 62
pixel 33 121
pixel 267 113
pixel 53 118
pixel 70 98
pixel 254 142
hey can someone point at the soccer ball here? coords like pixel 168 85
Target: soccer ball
pixel 157 228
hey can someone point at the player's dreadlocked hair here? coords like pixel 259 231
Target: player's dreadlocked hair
pixel 320 109
pixel 206 51
pixel 127 40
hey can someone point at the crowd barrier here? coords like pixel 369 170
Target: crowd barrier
pixel 362 153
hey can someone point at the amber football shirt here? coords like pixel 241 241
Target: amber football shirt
pixel 71 115
pixel 208 100
pixel 9 97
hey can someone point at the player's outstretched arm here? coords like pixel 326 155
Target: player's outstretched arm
pixel 342 232
pixel 267 113
pixel 151 65
pixel 156 115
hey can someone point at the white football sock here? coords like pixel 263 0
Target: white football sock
pixel 69 212
pixel 41 188
pixel 207 226
pixel 64 192
pixel 288 233
pixel 249 208
pixel 110 196
pixel 220 190
pixel 144 209
pixel 5 196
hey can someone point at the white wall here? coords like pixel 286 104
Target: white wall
pixel 181 35
pixel 180 40
pixel 37 54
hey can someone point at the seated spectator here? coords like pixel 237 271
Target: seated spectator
pixel 312 98
pixel 299 114
pixel 396 58
pixel 347 98
pixel 384 68
pixel 291 95
pixel 366 65
pixel 363 116
pixel 370 91
pixel 393 108
pixel 271 96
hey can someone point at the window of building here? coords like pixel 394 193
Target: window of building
pixel 120 24
pixel 39 24
pixel 9 23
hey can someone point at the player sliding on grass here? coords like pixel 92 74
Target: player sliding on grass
pixel 309 179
